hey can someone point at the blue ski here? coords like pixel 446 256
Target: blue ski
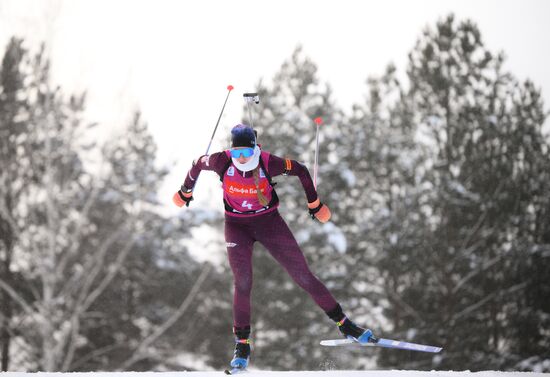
pixel 386 343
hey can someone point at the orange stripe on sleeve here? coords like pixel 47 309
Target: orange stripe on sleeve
pixel 288 164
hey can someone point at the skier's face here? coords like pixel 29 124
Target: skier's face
pixel 243 160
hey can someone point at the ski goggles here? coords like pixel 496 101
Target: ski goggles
pixel 245 152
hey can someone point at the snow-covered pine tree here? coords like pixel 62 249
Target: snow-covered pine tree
pixel 385 202
pixel 487 163
pixel 90 269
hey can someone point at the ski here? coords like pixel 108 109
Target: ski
pixel 385 343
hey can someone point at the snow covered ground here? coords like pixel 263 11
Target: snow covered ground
pixel 340 373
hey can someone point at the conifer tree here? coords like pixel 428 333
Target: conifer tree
pixel 487 160
pixel 84 249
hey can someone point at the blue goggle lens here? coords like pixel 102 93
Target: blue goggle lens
pixel 245 152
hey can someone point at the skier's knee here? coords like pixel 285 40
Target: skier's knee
pixel 243 285
pixel 306 281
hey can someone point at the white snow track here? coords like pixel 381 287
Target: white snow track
pixel 257 373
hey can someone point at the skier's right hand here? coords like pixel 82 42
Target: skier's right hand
pixel 319 211
pixel 182 198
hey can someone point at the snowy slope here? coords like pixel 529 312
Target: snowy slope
pixel 393 373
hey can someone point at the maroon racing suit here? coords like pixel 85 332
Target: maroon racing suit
pixel 247 222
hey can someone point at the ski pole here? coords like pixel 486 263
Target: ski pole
pixel 318 121
pixel 249 98
pixel 229 89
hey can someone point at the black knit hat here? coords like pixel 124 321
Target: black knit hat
pixel 243 136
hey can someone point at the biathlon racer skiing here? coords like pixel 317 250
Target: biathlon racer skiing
pixel 251 216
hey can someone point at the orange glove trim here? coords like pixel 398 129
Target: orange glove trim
pixel 314 204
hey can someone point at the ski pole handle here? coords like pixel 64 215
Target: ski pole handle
pixel 249 98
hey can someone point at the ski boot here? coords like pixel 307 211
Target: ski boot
pixel 348 328
pixel 241 355
pixel 351 331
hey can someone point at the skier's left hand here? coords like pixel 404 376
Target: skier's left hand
pixel 319 211
pixel 182 198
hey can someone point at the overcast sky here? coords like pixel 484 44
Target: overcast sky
pixel 174 59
